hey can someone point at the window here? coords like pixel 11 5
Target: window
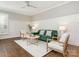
pixel 3 23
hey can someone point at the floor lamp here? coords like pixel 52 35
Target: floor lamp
pixel 62 28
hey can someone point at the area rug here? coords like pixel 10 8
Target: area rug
pixel 36 50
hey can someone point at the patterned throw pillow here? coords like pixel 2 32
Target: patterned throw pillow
pixel 41 32
pixel 48 33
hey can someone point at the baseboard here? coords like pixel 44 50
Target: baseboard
pixel 14 38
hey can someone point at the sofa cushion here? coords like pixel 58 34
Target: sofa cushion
pixel 54 34
pixel 49 37
pixel 44 38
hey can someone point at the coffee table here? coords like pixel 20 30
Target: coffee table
pixel 33 39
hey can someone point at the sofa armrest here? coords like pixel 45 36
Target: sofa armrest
pixel 57 38
pixel 35 33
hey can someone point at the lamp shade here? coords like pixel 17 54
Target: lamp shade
pixel 62 27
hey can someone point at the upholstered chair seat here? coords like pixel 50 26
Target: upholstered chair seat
pixel 61 45
pixel 56 46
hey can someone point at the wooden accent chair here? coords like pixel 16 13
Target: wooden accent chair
pixel 60 45
pixel 23 34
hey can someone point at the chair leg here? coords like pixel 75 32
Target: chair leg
pixel 47 49
pixel 47 46
pixel 65 54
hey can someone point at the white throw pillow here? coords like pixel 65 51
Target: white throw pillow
pixel 48 33
pixel 63 37
pixel 42 32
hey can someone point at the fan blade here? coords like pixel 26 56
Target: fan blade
pixel 32 6
pixel 27 2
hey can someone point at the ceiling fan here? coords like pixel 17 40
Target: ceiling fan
pixel 28 4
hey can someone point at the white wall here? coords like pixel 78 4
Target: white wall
pixel 67 15
pixel 17 23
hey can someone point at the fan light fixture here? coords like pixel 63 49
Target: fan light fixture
pixel 28 4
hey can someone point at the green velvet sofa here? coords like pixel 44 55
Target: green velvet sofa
pixel 46 34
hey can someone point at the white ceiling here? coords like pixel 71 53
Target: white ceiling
pixel 17 6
